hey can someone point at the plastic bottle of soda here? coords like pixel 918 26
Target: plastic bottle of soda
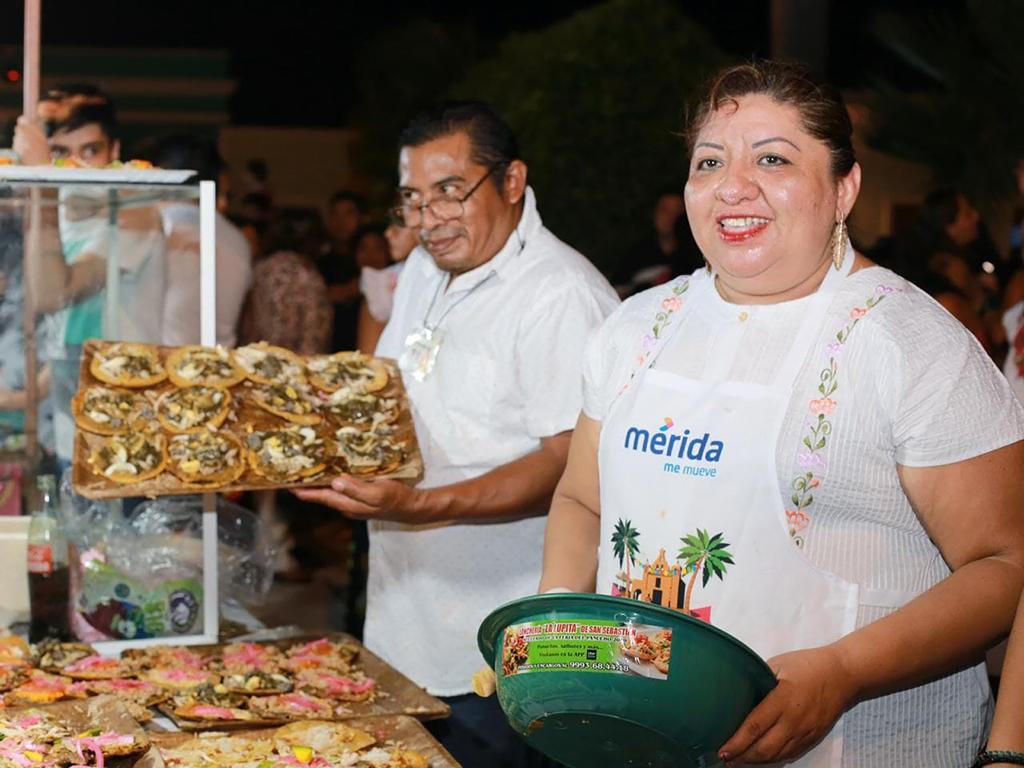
pixel 47 566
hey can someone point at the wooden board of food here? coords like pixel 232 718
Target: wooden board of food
pixel 155 421
pixel 328 678
pixel 218 686
pixel 96 731
pixel 406 741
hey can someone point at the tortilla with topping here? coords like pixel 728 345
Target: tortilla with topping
pixel 140 692
pixel 257 683
pixel 327 739
pixel 266 364
pixel 291 401
pixel 43 688
pixel 352 687
pixel 128 365
pixel 206 458
pixel 53 655
pixel 12 675
pixel 216 751
pixel 283 455
pixel 358 372
pixel 211 693
pixel 206 366
pixel 362 409
pixel 161 656
pixel 193 409
pixel 200 711
pixel 97 742
pixel 178 678
pixel 291 705
pixel 95 668
pixel 239 658
pixel 130 458
pixel 366 451
pixel 109 412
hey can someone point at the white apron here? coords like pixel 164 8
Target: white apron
pixel 688 475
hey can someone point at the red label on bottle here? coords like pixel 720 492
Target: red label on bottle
pixel 40 558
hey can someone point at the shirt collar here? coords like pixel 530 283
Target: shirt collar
pixel 528 226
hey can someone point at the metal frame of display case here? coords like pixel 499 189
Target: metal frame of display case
pixel 158 181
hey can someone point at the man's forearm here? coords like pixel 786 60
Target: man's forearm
pixel 519 489
pixel 47 272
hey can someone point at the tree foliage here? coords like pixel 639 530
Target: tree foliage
pixel 598 102
pixel 964 113
pixel 405 68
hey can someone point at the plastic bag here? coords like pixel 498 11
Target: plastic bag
pixel 245 551
pixel 142 576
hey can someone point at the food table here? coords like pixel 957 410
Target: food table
pixel 150 677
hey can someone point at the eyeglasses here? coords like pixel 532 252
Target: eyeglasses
pixel 410 213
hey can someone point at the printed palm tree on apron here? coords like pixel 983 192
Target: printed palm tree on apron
pixel 707 555
pixel 626 547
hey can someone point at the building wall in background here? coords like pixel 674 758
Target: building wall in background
pixel 156 90
pixel 305 165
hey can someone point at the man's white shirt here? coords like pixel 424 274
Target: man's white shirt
pixel 507 375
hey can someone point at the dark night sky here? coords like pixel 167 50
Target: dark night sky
pixel 293 58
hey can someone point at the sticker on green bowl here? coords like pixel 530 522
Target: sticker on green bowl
pixel 585 645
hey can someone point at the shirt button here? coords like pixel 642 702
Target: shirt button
pixel 743 316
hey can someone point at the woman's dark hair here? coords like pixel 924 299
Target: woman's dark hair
pixel 821 107
pixel 493 143
pixel 299 230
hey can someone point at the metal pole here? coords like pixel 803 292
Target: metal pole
pixel 30 244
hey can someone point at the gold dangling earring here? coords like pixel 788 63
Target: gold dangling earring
pixel 707 266
pixel 839 244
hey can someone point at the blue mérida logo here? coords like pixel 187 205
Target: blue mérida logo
pixel 671 444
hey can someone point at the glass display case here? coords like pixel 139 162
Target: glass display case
pixel 122 255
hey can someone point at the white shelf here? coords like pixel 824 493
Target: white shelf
pixel 44 174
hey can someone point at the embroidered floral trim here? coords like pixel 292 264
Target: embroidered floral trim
pixel 650 341
pixel 812 458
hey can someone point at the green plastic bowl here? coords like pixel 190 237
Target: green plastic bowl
pixel 588 694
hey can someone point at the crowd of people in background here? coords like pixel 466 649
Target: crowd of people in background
pixel 318 283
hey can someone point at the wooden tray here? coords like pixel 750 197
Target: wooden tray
pixel 408 731
pixel 94 486
pixel 106 712
pixel 396 694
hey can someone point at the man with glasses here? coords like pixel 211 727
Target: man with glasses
pixel 489 321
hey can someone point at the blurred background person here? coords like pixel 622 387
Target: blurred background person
pixel 664 252
pixel 346 212
pixel 288 305
pixel 380 255
pixel 935 254
pixel 181 228
pixel 77 123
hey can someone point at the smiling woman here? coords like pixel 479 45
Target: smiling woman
pixel 867 472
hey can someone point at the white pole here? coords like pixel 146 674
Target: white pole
pixel 29 100
pixel 208 338
pixel 207 263
pixel 30 73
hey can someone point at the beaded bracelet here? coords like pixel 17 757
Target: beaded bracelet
pixel 988 757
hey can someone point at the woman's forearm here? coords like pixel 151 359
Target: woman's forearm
pixel 570 546
pixel 948 627
pixel 1008 725
pixel 574 522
